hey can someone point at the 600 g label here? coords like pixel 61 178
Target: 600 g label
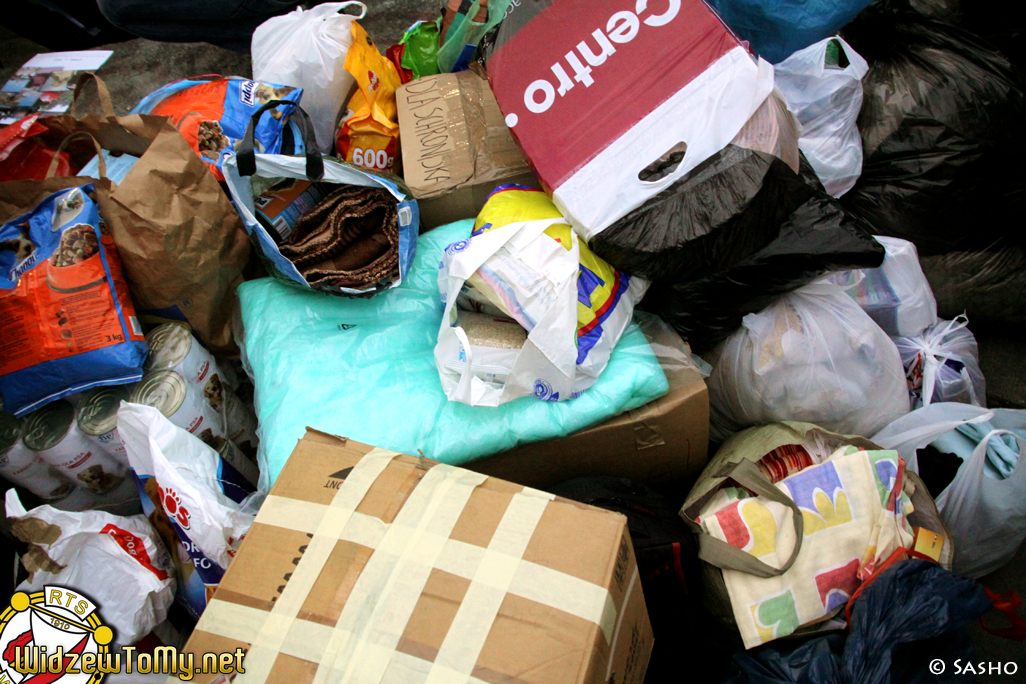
pixel 372 159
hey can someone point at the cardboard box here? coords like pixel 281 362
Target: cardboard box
pixel 663 444
pixel 368 566
pixel 456 147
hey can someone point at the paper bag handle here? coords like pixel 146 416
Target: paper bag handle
pixel 247 148
pixel 729 557
pixel 106 104
pixel 52 171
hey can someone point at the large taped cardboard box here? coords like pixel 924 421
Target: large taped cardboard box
pixel 663 444
pixel 368 566
pixel 456 147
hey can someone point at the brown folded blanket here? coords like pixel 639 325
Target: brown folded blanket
pixel 349 239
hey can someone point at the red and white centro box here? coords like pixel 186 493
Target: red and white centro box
pixel 595 92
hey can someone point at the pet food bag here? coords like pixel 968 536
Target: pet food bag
pixel 813 356
pixel 116 561
pixel 523 264
pixel 307 48
pixel 195 498
pixel 67 323
pixel 212 115
pixel 369 134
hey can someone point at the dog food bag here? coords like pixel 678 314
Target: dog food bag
pixel 194 496
pixel 369 134
pixel 67 323
pixel 212 115
pixel 115 560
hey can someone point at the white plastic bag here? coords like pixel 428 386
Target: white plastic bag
pixel 813 356
pixel 826 100
pixel 307 49
pixel 986 517
pixel 194 481
pixel 943 365
pixel 896 294
pixel 539 278
pixel 117 561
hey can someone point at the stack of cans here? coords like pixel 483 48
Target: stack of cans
pixel 69 452
pixel 183 381
pixel 53 435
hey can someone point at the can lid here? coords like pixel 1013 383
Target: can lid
pixel 45 428
pixel 164 390
pixel 169 344
pixel 10 431
pixel 98 411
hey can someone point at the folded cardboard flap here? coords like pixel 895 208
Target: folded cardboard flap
pixel 363 563
pixel 456 146
pixel 663 444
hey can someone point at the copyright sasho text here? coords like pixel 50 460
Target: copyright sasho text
pixel 961 667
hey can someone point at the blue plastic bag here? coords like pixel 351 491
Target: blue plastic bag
pixel 365 369
pixel 777 28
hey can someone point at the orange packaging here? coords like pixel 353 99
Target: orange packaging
pixel 369 135
pixel 66 317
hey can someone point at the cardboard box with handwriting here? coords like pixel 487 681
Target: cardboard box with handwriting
pixel 456 147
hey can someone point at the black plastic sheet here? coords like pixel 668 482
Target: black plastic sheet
pixel 731 237
pixel 941 126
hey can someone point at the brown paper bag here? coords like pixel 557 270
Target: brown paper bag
pixel 182 244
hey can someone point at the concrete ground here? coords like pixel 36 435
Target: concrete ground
pixel 140 66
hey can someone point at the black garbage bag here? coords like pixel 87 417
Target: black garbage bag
pixel 668 567
pixel 912 614
pixel 987 286
pixel 941 133
pixel 731 237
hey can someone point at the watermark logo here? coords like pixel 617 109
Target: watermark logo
pixel 57 631
pixel 58 635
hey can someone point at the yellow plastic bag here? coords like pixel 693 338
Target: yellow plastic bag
pixel 369 135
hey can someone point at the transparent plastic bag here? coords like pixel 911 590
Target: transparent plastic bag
pixel 896 295
pixel 826 98
pixel 813 356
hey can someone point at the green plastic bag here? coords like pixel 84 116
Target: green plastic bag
pixel 421 52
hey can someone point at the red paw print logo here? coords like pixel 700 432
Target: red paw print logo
pixel 374 81
pixel 172 504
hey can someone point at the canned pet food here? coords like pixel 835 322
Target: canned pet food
pixel 97 418
pixel 21 466
pixel 172 347
pixel 241 423
pixel 52 433
pixel 181 403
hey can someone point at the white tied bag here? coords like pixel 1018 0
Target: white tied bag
pixel 307 49
pixel 986 517
pixel 546 365
pixel 826 101
pixel 925 356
